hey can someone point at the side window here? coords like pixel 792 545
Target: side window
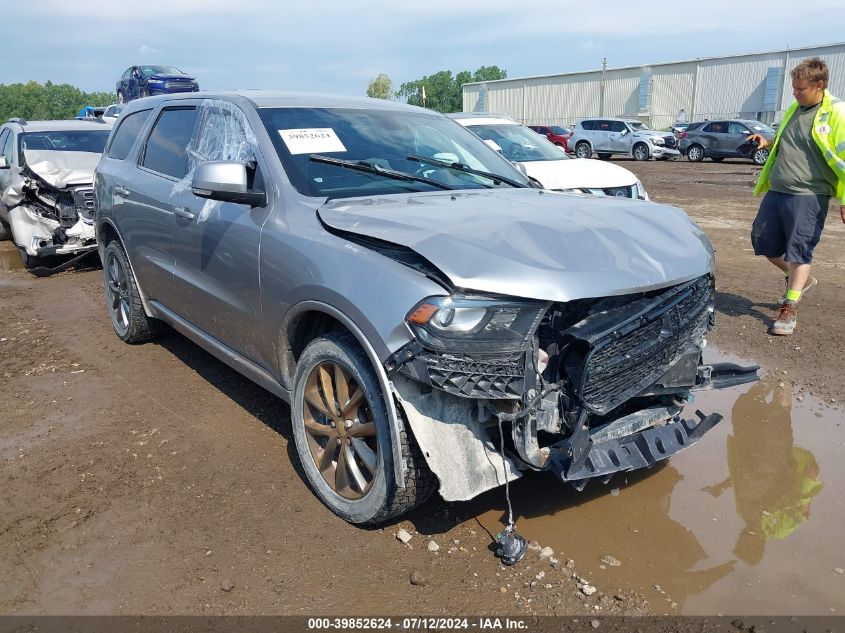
pixel 166 151
pixel 3 134
pixel 9 147
pixel 127 131
pixel 588 125
pixel 718 127
pixel 737 128
pixel 618 126
pixel 604 126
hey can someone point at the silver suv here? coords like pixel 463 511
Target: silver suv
pixel 401 285
pixel 607 136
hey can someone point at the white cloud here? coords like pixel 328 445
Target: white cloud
pixel 147 50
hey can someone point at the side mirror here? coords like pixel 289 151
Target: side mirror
pixel 745 132
pixel 225 180
pixel 624 132
pixel 3 163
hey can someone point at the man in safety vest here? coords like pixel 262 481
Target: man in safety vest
pixel 805 169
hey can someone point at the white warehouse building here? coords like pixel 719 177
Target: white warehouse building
pixel 753 86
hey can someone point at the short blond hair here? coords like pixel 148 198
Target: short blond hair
pixel 811 70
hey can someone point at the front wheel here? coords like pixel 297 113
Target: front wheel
pixel 342 435
pixel 640 151
pixel 582 150
pixel 760 156
pixel 123 299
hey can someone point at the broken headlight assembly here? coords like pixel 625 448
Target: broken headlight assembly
pixel 462 323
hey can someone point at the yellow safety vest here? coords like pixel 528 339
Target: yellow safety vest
pixel 829 134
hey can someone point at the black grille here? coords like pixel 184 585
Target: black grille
pixel 178 85
pixel 500 377
pixel 670 141
pixel 83 198
pixel 624 362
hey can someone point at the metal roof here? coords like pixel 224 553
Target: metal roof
pixel 651 65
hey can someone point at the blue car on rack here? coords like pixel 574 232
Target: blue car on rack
pixel 145 81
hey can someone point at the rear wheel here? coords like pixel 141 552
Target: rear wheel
pixel 640 151
pixel 123 299
pixel 695 153
pixel 582 150
pixel 342 435
pixel 760 156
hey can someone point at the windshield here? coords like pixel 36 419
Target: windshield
pixel 160 70
pixel 518 142
pixel 761 128
pixel 637 125
pixel 383 139
pixel 66 141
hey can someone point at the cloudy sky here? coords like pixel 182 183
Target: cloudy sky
pixel 339 45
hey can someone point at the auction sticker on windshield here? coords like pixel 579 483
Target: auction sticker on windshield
pixel 312 141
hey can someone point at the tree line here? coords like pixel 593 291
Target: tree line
pixel 38 102
pixel 442 90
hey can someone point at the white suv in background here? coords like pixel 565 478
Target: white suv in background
pixel 607 136
pixel 547 163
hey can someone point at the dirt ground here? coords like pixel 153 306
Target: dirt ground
pixel 155 480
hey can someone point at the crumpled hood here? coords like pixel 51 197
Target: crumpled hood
pixel 63 169
pixel 533 244
pixel 579 173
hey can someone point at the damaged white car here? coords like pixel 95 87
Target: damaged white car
pixel 46 189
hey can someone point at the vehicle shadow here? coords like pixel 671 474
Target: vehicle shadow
pixel 733 305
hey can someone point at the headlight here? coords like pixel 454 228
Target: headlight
pixel 155 81
pixel 461 323
pixel 640 191
pixel 658 141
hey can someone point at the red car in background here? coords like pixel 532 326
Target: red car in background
pixel 555 133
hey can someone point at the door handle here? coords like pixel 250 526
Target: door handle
pixel 120 190
pixel 183 212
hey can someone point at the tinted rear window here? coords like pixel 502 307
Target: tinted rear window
pixel 166 147
pixel 127 132
pixel 588 125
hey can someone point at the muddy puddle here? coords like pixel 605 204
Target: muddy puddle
pixel 10 259
pixel 749 520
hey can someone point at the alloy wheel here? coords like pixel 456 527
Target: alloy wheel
pixel 118 293
pixel 340 431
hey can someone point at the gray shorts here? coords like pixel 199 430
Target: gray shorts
pixel 789 226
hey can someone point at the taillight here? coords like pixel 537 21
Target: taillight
pixel 683 134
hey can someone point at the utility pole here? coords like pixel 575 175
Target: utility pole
pixel 601 89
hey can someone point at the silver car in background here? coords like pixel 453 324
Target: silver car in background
pixel 402 286
pixel 606 136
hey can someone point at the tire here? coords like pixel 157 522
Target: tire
pixel 717 159
pixel 123 300
pixel 604 156
pixel 582 150
pixel 695 153
pixel 760 156
pixel 640 151
pixel 120 97
pixel 346 453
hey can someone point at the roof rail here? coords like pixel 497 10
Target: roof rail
pixel 18 120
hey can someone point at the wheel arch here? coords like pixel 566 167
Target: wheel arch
pixel 308 320
pixel 648 148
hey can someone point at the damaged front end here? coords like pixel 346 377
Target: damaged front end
pixel 50 223
pixel 584 388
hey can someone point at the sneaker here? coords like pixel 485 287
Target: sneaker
pixel 812 282
pixel 786 320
